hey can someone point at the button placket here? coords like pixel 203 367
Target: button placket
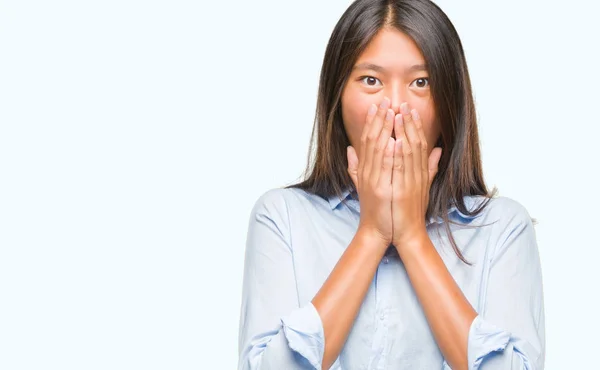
pixel 384 284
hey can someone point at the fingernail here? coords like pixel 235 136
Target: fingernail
pixel 372 109
pixel 415 114
pixel 389 115
pixel 399 119
pixel 385 104
pixel 404 108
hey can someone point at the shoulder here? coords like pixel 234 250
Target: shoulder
pixel 278 209
pixel 279 202
pixel 512 226
pixel 272 202
pixel 505 211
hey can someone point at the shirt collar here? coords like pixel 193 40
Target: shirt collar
pixel 335 201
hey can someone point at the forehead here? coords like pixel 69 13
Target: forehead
pixel 391 47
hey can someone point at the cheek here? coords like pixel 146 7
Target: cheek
pixel 430 125
pixel 354 112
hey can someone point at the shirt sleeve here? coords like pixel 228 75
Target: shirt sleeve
pixel 509 332
pixel 275 332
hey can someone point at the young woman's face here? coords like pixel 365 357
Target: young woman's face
pixel 388 67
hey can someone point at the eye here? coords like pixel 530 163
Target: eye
pixel 370 80
pixel 422 82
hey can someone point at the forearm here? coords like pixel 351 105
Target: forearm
pixel 341 296
pixel 448 312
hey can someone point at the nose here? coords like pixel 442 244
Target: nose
pixel 396 97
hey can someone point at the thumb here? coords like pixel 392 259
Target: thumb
pixel 353 165
pixel 434 160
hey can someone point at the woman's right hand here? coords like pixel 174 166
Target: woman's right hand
pixel 372 172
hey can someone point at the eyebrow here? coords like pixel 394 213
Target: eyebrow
pixel 377 68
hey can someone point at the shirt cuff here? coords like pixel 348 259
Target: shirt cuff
pixel 484 339
pixel 303 330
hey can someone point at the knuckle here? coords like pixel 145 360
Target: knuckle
pixel 400 195
pixel 372 182
pixel 388 162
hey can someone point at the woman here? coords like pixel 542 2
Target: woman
pixel 348 269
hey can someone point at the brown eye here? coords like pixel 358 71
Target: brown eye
pixel 422 82
pixel 370 81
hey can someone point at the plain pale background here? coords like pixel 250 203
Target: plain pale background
pixel 137 135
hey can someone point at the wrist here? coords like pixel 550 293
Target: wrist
pixel 411 242
pixel 372 237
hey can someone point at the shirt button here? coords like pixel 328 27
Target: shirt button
pixel 386 259
pixel 381 316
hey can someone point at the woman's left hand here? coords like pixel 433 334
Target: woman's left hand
pixel 412 175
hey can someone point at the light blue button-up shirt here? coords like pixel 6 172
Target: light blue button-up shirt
pixel 294 241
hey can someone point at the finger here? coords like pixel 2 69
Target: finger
pixel 424 151
pixel 387 164
pixel 381 144
pixel 352 165
pixel 433 165
pixel 369 121
pixel 398 169
pixel 372 136
pixel 386 131
pixel 412 151
pixel 421 133
pixel 413 137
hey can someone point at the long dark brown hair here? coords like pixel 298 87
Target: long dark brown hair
pixel 460 171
